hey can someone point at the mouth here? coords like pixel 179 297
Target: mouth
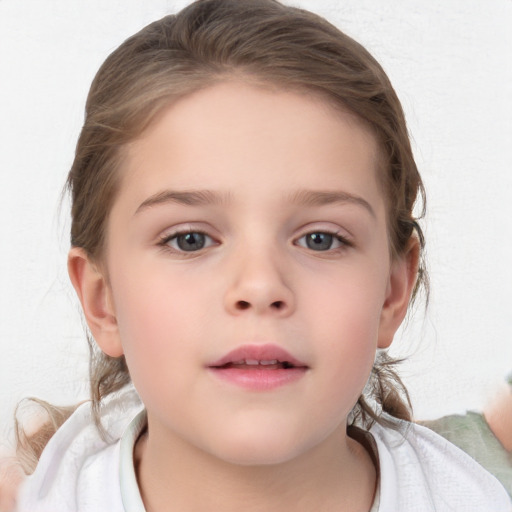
pixel 256 356
pixel 256 364
pixel 259 367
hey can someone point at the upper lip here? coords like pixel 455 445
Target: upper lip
pixel 267 352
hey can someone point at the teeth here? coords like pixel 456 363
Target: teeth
pixel 256 362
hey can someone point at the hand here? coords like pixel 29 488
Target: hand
pixel 11 476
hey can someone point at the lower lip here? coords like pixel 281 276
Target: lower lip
pixel 259 379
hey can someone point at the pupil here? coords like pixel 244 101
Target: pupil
pixel 319 241
pixel 191 241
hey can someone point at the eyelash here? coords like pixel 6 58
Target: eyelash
pixel 164 242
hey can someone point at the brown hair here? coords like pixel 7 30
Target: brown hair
pixel 214 40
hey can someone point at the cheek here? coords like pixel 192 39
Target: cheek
pixel 158 326
pixel 349 300
pixel 345 313
pixel 155 306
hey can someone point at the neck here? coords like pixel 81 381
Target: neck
pixel 336 475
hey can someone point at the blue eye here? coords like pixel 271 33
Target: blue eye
pixel 188 242
pixel 320 241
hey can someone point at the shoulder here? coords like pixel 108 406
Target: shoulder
pixel 472 433
pixel 420 470
pixel 78 468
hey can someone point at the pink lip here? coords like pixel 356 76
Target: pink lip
pixel 260 377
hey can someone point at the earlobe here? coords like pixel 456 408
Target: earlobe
pixel 402 279
pixel 94 294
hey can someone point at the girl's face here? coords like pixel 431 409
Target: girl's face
pixel 249 276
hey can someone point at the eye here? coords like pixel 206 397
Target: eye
pixel 321 241
pixel 188 242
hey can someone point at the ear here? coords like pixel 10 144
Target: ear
pixel 94 293
pixel 402 278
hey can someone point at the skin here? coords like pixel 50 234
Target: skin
pixel 11 477
pixel 172 313
pixel 498 415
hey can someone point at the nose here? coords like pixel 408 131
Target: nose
pixel 258 284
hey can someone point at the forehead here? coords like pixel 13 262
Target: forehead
pixel 239 134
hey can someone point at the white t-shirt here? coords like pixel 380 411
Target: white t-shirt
pixel 78 471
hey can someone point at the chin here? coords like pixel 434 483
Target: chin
pixel 260 447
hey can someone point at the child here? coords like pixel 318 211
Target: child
pixel 242 244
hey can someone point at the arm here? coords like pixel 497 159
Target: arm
pixel 498 415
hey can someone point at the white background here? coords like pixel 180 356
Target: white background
pixel 451 63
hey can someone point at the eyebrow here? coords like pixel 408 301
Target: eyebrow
pixel 188 198
pixel 209 197
pixel 321 198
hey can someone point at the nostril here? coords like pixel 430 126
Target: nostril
pixel 242 304
pixel 277 305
